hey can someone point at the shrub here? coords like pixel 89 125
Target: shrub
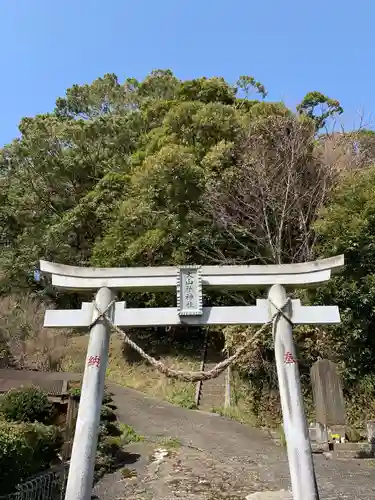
pixel 28 404
pixel 25 449
pixel 16 456
pixel 107 414
pixel 107 398
pixel 46 441
pixel 75 392
pixel 110 445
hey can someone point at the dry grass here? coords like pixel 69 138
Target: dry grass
pixel 238 413
pixel 135 375
pixel 24 343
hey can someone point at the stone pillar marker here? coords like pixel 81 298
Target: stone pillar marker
pixel 328 398
pixel 370 428
pixel 188 281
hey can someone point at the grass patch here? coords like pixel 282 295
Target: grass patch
pixel 182 394
pixel 128 434
pixel 127 473
pixel 235 413
pixel 169 443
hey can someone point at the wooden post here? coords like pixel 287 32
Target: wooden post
pixel 227 398
pixel 71 418
pixel 198 387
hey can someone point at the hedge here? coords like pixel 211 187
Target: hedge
pixel 28 404
pixel 25 449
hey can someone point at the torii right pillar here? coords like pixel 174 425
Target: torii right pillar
pixel 301 465
pixel 234 277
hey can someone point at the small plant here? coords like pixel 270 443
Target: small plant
pixel 107 414
pixel 169 443
pixel 28 404
pixel 107 398
pixel 129 435
pixel 282 436
pixel 103 464
pixel 127 473
pixel 110 445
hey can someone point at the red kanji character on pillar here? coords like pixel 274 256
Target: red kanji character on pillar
pixel 288 358
pixel 94 361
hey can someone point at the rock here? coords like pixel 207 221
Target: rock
pixel 271 495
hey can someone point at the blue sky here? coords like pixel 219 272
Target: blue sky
pixel 291 46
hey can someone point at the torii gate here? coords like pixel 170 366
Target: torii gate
pixel 188 282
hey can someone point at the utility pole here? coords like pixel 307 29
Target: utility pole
pixel 82 462
pixel 301 465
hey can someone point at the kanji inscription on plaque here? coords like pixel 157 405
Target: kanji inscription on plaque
pixel 189 291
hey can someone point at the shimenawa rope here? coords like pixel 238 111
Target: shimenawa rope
pixel 183 375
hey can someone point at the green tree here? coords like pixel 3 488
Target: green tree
pixel 247 83
pixel 347 226
pixel 319 107
pixel 165 171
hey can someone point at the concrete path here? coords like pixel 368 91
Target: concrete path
pixel 244 447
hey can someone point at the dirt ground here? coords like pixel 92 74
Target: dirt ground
pixel 208 457
pixel 194 474
pixel 186 473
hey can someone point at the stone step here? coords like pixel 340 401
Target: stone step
pixel 352 446
pixel 335 450
pixel 345 450
pixel 353 450
pixel 212 391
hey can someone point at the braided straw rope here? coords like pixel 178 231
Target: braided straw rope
pixel 184 375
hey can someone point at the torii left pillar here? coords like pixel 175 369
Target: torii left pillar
pixel 82 462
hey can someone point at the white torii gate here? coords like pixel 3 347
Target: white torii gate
pixel 188 282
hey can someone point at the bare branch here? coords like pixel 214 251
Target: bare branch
pixel 268 203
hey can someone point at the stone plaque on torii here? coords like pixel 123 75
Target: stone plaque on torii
pixel 189 281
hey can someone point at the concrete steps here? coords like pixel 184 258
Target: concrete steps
pixel 212 391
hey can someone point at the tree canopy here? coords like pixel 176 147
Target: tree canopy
pixel 167 171
pixel 118 173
